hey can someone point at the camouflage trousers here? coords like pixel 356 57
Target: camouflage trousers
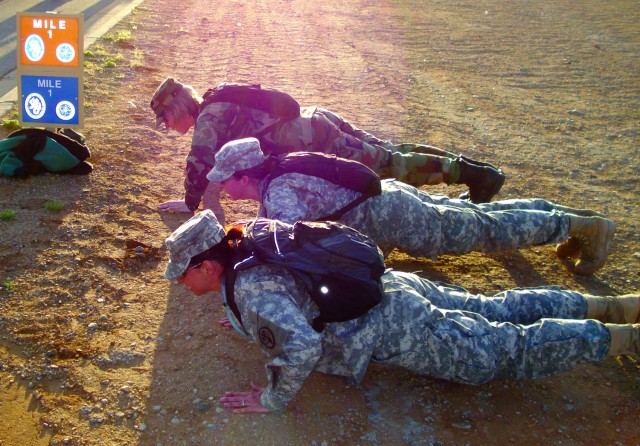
pixel 415 164
pixel 425 225
pixel 517 306
pixel 494 342
pixel 419 164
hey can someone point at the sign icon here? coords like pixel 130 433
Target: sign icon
pixel 35 106
pixel 34 48
pixel 65 53
pixel 65 110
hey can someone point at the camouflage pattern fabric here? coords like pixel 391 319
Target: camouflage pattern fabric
pixel 415 222
pixel 316 130
pixel 447 341
pixel 196 235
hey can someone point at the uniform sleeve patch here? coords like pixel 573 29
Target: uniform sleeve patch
pixel 266 337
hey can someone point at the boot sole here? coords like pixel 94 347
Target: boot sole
pixel 570 248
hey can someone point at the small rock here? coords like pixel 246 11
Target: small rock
pixel 203 406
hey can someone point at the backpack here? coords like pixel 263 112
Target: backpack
pixel 32 151
pixel 340 267
pixel 346 173
pixel 269 100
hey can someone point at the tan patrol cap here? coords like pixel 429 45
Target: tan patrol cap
pixel 236 155
pixel 168 89
pixel 196 235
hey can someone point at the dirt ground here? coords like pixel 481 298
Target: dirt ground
pixel 96 348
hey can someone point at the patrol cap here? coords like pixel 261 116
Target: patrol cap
pixel 164 95
pixel 196 235
pixel 239 154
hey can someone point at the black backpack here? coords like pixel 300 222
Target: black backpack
pixel 340 267
pixel 347 173
pixel 269 100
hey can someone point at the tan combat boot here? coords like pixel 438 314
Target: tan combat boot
pixel 571 246
pixel 594 234
pixel 623 309
pixel 625 340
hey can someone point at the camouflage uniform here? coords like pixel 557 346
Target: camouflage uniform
pixel 426 327
pixel 430 329
pixel 316 130
pixel 417 223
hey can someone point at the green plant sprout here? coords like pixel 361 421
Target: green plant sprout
pixel 11 125
pixel 7 214
pixel 54 205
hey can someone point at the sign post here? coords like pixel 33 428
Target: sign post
pixel 50 68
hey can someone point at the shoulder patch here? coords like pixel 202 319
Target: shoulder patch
pixel 266 337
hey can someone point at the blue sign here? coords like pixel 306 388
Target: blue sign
pixel 50 100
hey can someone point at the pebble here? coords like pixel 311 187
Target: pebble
pixel 96 420
pixel 203 406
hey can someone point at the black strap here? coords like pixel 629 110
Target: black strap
pixel 229 282
pixel 337 215
pixel 374 190
pixel 241 254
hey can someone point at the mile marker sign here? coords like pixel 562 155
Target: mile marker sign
pixel 50 67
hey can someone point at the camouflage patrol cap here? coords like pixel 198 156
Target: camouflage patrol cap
pixel 240 154
pixel 164 95
pixel 196 235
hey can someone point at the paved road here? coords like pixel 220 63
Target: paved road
pixel 99 17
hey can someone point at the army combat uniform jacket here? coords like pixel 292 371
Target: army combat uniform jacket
pixel 221 122
pixel 315 130
pixel 417 223
pixel 431 329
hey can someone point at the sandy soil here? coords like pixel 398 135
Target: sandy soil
pixel 97 348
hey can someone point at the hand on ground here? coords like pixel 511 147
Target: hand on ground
pixel 245 402
pixel 173 206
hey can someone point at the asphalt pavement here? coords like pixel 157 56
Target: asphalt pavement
pixel 99 17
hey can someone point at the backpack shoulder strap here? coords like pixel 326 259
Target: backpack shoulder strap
pixel 319 165
pixel 230 300
pixel 337 215
pixel 242 259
